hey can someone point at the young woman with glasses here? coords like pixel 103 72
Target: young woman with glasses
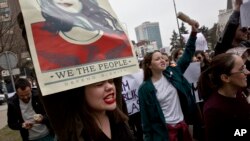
pixel 226 108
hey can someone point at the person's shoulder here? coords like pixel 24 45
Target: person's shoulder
pixel 213 102
pixel 13 100
pixel 145 84
pixel 146 87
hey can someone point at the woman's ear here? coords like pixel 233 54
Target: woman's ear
pixel 225 78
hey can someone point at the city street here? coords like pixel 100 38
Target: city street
pixel 3 112
pixel 6 134
pixel 3 115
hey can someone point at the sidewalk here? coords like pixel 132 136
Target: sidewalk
pixel 3 112
pixel 3 115
pixel 6 134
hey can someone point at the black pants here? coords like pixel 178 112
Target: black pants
pixel 199 129
pixel 135 125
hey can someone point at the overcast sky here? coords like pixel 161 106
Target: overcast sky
pixel 134 12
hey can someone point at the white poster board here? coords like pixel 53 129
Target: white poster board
pixel 193 72
pixel 201 42
pixel 130 87
pixel 192 75
pixel 245 14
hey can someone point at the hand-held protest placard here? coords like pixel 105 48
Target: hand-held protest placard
pixel 201 42
pixel 75 43
pixel 245 14
pixel 193 72
pixel 130 87
pixel 192 75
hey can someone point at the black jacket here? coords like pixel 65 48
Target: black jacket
pixel 225 41
pixel 14 114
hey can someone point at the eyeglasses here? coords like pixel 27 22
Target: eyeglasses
pixel 245 29
pixel 244 71
pixel 199 57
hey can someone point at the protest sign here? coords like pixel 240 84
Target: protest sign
pixel 201 42
pixel 192 75
pixel 193 72
pixel 245 14
pixel 130 87
pixel 76 43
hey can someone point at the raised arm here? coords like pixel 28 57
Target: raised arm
pixel 226 40
pixel 189 51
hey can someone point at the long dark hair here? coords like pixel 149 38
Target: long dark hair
pixel 209 80
pixel 146 63
pixel 70 116
pixel 60 20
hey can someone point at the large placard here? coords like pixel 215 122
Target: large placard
pixel 245 14
pixel 76 42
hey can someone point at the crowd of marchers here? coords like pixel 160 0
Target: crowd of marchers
pixel 167 103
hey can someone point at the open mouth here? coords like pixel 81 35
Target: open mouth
pixel 163 65
pixel 110 99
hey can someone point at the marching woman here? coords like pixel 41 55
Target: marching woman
pixel 166 102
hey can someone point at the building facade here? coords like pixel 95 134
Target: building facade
pixel 149 31
pixel 10 32
pixel 4 11
pixel 224 16
pixel 144 46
